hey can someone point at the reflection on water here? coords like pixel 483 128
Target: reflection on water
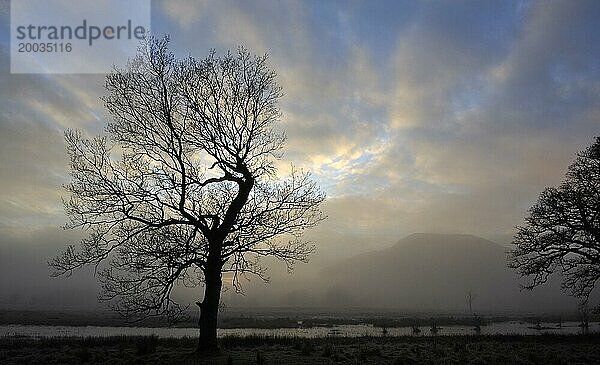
pixel 503 328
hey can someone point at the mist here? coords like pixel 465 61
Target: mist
pixel 410 275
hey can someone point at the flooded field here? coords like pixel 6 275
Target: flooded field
pixel 499 328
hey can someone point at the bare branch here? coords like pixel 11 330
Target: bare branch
pixel 184 187
pixel 562 231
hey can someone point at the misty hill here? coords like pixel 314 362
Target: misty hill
pixel 420 272
pixel 434 272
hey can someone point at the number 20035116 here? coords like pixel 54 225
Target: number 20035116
pixel 48 47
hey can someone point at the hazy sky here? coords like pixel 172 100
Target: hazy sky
pixel 431 116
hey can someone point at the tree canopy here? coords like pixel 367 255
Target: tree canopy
pixel 185 186
pixel 562 231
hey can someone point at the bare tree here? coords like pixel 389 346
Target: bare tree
pixel 584 316
pixel 184 187
pixel 562 231
pixel 470 299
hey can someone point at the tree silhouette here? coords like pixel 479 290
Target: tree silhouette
pixel 562 231
pixel 184 187
pixel 470 299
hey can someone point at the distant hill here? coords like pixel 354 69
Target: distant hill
pixel 434 272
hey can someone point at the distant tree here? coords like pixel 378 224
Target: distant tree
pixel 185 187
pixel 562 231
pixel 470 299
pixel 584 315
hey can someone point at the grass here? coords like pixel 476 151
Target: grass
pixel 493 349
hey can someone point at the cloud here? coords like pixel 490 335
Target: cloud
pixel 34 112
pixel 185 12
pixel 466 149
pixel 456 107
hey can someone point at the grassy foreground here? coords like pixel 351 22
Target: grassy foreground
pixel 543 349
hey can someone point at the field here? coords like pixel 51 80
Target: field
pixel 270 318
pixel 544 349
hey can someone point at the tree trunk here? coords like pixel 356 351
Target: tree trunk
pixel 209 309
